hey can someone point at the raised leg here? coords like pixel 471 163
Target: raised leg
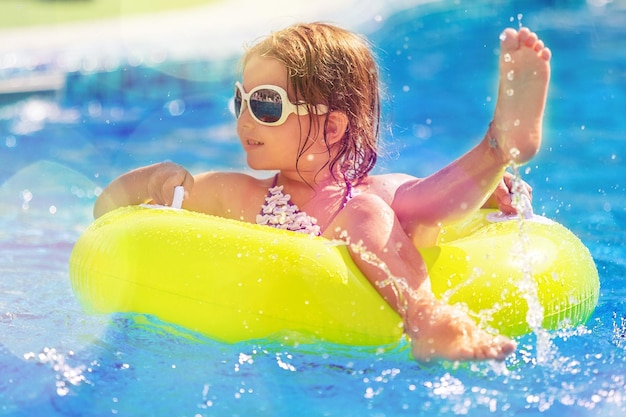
pixel 524 78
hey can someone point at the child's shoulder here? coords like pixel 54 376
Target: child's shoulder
pixel 228 180
pixel 227 194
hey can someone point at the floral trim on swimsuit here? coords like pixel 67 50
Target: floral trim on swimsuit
pixel 279 212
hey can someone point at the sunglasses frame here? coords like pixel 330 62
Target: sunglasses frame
pixel 288 107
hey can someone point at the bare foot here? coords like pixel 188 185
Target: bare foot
pixel 440 331
pixel 524 78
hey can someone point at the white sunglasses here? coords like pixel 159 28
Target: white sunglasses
pixel 269 104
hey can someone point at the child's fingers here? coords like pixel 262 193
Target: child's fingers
pixel 165 178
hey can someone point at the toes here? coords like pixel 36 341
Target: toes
pixel 505 348
pixel 530 40
pixel 510 40
pixel 541 50
pixel 499 348
pixel 482 353
pixel 524 34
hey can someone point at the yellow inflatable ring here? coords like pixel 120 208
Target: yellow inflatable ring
pixel 235 281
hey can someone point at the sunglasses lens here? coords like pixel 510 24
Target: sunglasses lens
pixel 237 102
pixel 266 104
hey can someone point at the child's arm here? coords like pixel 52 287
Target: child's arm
pixel 150 183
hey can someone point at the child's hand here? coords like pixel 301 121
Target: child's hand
pixel 164 178
pixel 502 197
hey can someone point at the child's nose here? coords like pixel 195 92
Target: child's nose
pixel 245 119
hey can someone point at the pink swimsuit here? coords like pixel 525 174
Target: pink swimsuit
pixel 278 211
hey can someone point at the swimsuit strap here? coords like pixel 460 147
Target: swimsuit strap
pixel 349 195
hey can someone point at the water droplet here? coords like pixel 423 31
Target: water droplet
pixel 510 75
pixel 10 141
pixel 502 37
pixel 175 107
pixel 516 122
pixel 507 58
pixel 514 152
pixel 510 92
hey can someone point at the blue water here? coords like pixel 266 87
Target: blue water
pixel 439 65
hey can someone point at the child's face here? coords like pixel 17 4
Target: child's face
pixel 274 147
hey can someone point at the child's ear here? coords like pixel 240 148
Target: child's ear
pixel 336 126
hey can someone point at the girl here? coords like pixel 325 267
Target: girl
pixel 308 107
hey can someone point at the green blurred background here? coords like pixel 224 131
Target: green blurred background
pixel 19 13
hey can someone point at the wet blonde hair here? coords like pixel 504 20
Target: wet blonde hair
pixel 332 66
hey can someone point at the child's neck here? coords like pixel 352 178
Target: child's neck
pixel 306 188
pixel 314 182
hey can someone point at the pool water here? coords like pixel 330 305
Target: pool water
pixel 439 66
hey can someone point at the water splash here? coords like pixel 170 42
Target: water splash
pixel 619 331
pixel 65 373
pixel 519 20
pixel 527 285
pixel 545 348
pixel 399 285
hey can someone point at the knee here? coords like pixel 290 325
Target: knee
pixel 364 214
